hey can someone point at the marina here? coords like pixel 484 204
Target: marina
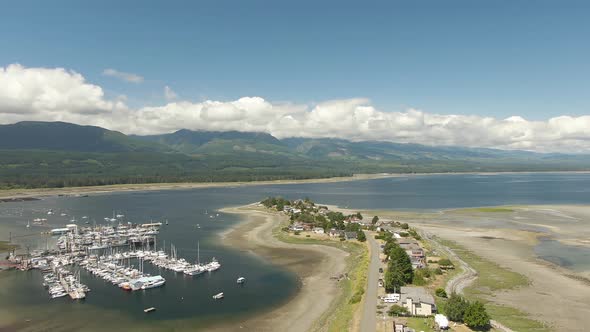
pixel 114 253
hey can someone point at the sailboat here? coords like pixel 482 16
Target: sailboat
pixel 29 224
pixel 196 269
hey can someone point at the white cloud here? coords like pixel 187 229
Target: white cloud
pixel 169 93
pixel 128 77
pixel 58 94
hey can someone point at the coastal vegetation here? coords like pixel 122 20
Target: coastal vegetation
pixel 488 210
pixel 340 316
pixel 492 278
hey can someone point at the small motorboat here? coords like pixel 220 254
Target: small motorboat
pixel 241 280
pixel 218 296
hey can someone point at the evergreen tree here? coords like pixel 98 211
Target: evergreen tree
pixel 360 235
pixel 456 307
pixel 374 220
pixel 476 316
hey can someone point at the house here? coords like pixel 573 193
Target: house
pixel 318 230
pixel 350 235
pixel 418 301
pixel 307 226
pixel 296 227
pixel 335 233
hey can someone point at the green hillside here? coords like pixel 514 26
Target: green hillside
pixel 57 154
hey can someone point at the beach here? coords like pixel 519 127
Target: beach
pixel 555 295
pixel 313 264
pixel 73 191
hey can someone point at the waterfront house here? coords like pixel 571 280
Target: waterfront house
pixel 335 233
pixel 350 235
pixel 318 230
pixel 418 301
pixel 296 227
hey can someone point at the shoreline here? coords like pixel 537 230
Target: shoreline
pixel 44 192
pixel 506 238
pixel 313 264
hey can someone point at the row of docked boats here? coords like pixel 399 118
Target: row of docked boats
pixel 181 265
pixel 62 282
pixel 127 278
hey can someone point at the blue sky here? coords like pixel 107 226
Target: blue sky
pixel 488 58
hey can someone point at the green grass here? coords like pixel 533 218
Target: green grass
pixel 421 323
pixel 492 278
pixel 339 317
pixel 515 319
pixel 490 209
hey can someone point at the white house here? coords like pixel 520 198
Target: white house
pixel 418 301
pixel 318 230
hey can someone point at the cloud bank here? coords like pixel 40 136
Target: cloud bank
pixel 58 94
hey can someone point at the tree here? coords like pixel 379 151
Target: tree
pixel 476 316
pixel 440 292
pixel 405 225
pixel 397 310
pixel 399 269
pixel 456 307
pixel 359 215
pixel 374 220
pixel 445 262
pixel 360 235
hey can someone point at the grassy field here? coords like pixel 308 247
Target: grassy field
pixel 492 278
pixel 340 316
pixel 421 323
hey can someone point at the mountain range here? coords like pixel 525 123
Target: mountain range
pixel 54 154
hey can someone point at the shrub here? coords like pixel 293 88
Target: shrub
pixel 297 232
pixel 440 292
pixel 445 262
pixel 397 310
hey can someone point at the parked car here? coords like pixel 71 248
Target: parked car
pixel 380 270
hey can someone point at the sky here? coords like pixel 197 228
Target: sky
pixel 504 74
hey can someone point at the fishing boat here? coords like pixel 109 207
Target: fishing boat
pixel 218 296
pixel 241 280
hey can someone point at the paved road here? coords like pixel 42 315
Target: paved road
pixel 369 318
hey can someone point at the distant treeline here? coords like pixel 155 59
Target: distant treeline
pixel 54 169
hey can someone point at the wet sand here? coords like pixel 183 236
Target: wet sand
pixel 9 194
pixel 313 264
pixel 557 296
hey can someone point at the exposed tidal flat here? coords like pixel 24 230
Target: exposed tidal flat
pixel 525 223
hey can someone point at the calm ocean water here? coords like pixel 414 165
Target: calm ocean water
pixel 188 298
